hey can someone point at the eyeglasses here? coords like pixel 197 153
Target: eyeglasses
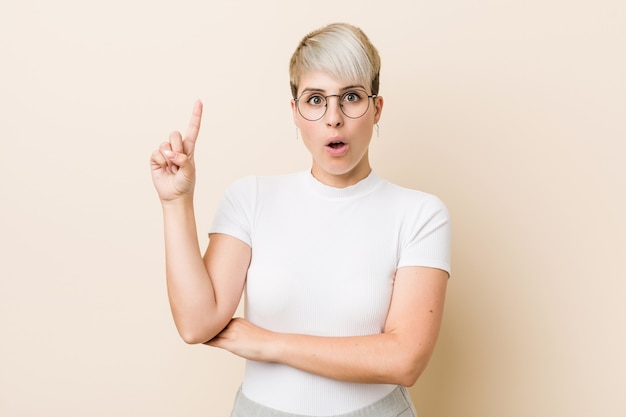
pixel 353 103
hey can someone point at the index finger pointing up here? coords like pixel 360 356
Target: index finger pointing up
pixel 194 127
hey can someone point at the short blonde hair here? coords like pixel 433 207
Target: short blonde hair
pixel 340 50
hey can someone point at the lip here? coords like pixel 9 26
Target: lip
pixel 335 139
pixel 337 151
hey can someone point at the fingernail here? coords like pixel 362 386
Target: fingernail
pixel 169 154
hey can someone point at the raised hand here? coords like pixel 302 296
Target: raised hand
pixel 173 167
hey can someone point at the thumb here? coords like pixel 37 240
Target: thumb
pixel 179 159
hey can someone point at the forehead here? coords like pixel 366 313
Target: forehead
pixel 324 82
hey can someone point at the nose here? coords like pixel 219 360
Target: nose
pixel 334 114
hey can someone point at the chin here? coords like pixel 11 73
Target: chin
pixel 338 171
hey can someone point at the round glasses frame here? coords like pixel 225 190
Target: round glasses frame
pixel 340 97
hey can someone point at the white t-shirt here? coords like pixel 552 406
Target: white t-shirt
pixel 323 263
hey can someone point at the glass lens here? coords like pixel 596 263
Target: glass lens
pixel 354 103
pixel 312 105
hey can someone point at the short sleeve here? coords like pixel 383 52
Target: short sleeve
pixel 426 236
pixel 234 215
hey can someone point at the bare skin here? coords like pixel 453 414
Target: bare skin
pixel 204 291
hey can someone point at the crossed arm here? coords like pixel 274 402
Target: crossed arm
pixel 203 307
pixel 396 356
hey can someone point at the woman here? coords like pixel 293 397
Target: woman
pixel 345 273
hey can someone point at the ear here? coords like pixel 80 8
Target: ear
pixel 294 112
pixel 378 108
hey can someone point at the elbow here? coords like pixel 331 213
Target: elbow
pixel 193 335
pixel 408 377
pixel 192 338
pixel 194 332
pixel 408 371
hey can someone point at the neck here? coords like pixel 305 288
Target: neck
pixel 343 180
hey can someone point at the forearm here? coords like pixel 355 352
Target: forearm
pixel 190 291
pixel 381 358
pixel 398 355
pixel 394 357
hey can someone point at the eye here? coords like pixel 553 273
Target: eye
pixel 315 100
pixel 352 96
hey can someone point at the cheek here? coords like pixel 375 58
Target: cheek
pixel 308 141
pixel 308 131
pixel 367 127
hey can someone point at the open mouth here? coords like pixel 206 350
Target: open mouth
pixel 336 145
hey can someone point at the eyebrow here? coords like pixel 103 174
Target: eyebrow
pixel 321 90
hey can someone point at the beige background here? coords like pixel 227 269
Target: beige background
pixel 513 112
